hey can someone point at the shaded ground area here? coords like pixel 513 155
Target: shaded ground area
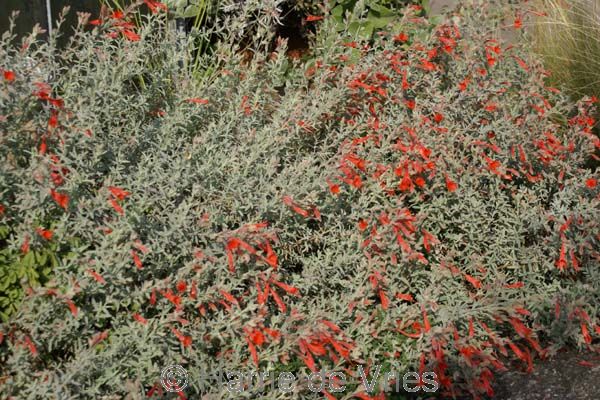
pixel 568 376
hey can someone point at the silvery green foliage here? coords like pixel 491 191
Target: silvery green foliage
pixel 165 257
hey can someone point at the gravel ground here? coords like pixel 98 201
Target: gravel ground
pixel 438 5
pixel 568 376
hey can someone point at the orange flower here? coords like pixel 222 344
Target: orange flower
pixel 197 100
pixel 97 277
pixel 186 341
pixel 312 18
pixel 586 333
pixel 464 84
pixel 61 199
pixel 131 35
pixel 181 286
pixel 405 297
pixel 473 281
pixel 155 6
pixel 116 206
pixel 384 300
pixel 72 307
pixel 25 245
pixel 136 259
pixel 401 37
pixel 450 184
pixel 518 24
pixel 45 233
pixel 140 319
pixel 118 192
pixel 9 76
pixel 333 188
pixel 362 225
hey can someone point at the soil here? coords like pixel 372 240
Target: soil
pixel 568 376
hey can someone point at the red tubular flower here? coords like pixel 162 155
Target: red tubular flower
pixel 197 100
pixel 45 233
pixel 574 261
pixel 406 184
pixel 99 337
pixel 561 263
pixel 362 225
pixel 405 297
pixel 401 37
pixel 450 184
pixel 586 333
pixel 287 200
pixel 313 18
pixel 186 341
pixel 136 259
pixel 428 240
pixel 518 24
pixel 473 281
pixel 31 346
pixel 97 277
pixel 520 328
pixel 291 290
pixel 229 297
pixel 385 303
pixel 155 6
pixel 140 319
pixel 426 325
pixel 153 297
pixel 118 192
pixel 53 120
pixel 60 198
pixel 131 35
pixel 521 63
pixel 72 307
pixel 116 206
pixel 280 304
pixel 256 337
pixel 25 245
pixel 117 15
pixel 427 65
pixel 9 76
pixel 464 84
pixel 262 295
pixel 181 286
pixel 253 353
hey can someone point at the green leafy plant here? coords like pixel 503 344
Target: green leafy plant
pixel 362 19
pixel 196 9
pixel 19 272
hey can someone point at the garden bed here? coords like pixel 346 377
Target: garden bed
pixel 416 197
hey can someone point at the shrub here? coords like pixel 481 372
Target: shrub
pixel 424 207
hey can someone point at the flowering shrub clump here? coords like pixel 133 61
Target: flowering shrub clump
pixel 419 202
